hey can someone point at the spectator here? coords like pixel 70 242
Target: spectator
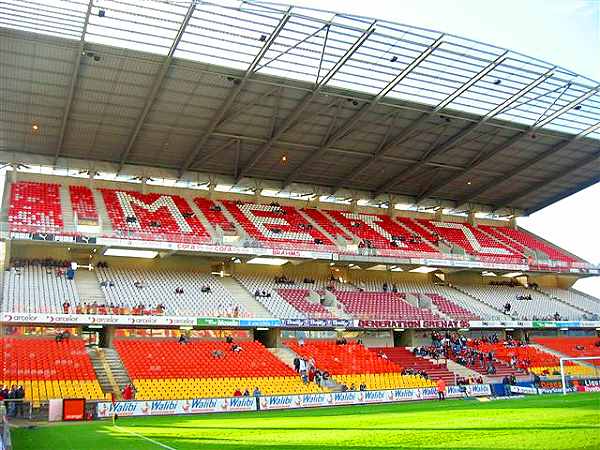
pixel 217 354
pixel 237 393
pixel 246 393
pixel 236 348
pixel 66 305
pixel 297 364
pixel 183 339
pixel 256 393
pixel 229 339
pixel 362 387
pixel 441 389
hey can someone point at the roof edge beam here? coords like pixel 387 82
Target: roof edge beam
pixel 73 84
pixel 156 84
pixel 295 114
pixel 351 123
pixel 399 176
pixel 233 94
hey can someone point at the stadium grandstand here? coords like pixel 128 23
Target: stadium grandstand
pixel 212 200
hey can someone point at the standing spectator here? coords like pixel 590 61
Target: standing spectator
pixel 506 384
pixel 256 393
pixel 297 364
pixel 20 397
pixel 441 389
pixel 237 393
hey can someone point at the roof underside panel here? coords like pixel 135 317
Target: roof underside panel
pixel 353 103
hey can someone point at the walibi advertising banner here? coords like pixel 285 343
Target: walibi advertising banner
pixel 173 407
pixel 235 404
pixel 365 397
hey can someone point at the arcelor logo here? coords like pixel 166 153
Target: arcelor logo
pixel 21 318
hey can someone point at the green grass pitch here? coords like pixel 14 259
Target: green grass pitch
pixel 549 422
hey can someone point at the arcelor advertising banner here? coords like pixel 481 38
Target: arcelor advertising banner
pixel 174 407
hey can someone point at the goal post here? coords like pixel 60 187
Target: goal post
pixel 593 372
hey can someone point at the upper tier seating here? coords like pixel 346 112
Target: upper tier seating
pixel 83 204
pixel 578 300
pixel 450 308
pixel 49 369
pixel 470 238
pixel 573 346
pixel 214 214
pixel 35 207
pixel 273 303
pixel 381 231
pixel 297 298
pixel 529 241
pixel 330 227
pixel 37 289
pixel 381 305
pixel 153 216
pixel 165 369
pixel 353 364
pixel 159 287
pixel 407 360
pixel 276 224
pixel 539 307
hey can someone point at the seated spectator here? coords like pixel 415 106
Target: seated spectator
pixel 237 393
pixel 362 387
pixel 236 348
pixel 66 305
pixel 183 339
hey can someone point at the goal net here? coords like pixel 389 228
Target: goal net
pixel 581 373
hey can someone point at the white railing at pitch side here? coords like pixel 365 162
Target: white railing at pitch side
pixel 562 371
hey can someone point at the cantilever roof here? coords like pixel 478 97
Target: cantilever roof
pixel 355 104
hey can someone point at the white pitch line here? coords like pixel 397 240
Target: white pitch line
pixel 146 438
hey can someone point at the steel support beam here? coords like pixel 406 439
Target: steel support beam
pixel 594 157
pixel 156 84
pixel 399 176
pixel 502 147
pixel 526 165
pixel 73 84
pixel 295 114
pixel 232 96
pixel 214 152
pixel 350 125
pixel 404 134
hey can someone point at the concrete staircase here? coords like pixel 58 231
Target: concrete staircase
pixel 284 354
pixel 203 220
pixel 88 287
pixel 464 372
pixel 67 208
pixel 245 298
pixel 242 233
pixel 105 377
pixel 105 222
pixel 116 367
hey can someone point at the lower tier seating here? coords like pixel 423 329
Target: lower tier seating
pixel 187 388
pixel 49 369
pixel 576 299
pixel 352 363
pixel 573 346
pixel 407 360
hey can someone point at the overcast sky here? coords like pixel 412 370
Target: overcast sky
pixel 561 32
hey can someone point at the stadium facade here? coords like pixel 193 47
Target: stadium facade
pixel 277 174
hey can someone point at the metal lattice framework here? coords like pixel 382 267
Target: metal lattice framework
pixel 355 104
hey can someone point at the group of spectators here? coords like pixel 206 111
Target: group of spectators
pixel 309 373
pixel 60 268
pixel 15 405
pixel 411 371
pixel 111 308
pixel 284 280
pixel 387 288
pixel 255 393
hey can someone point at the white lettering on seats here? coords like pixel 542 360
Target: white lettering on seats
pixel 262 223
pixel 126 201
pixel 472 239
pixel 373 223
